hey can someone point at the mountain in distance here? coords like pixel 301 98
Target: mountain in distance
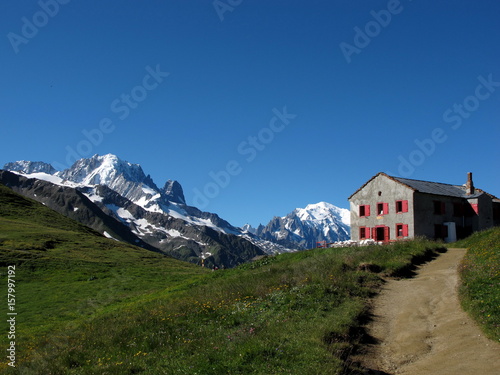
pixel 304 227
pixel 119 200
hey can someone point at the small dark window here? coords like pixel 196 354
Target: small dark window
pixel 439 208
pixel 458 209
pixel 496 211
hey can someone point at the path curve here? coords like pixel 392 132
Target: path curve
pixel 421 328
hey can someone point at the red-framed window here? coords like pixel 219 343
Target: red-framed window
pixel 364 210
pixel 364 233
pixel 382 208
pixel 401 230
pixel 401 206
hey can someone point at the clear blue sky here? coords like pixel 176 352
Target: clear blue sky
pixel 284 103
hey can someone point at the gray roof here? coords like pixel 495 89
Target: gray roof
pixel 428 187
pixel 437 188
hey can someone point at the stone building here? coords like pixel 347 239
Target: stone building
pixel 390 208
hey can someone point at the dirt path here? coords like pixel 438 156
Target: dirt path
pixel 421 329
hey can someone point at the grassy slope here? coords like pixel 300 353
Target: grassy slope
pixel 67 274
pixel 88 305
pixel 480 274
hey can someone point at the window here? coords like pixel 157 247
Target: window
pixel 382 209
pixel 496 211
pixel 401 230
pixel 364 233
pixel 401 206
pixel 439 208
pixel 364 210
pixel 458 209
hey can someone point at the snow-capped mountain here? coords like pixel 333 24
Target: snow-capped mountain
pixel 158 217
pixel 119 200
pixel 27 167
pixel 304 227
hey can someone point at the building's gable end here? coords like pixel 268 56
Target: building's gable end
pixel 378 175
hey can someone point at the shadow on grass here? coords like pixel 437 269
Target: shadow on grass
pixel 410 270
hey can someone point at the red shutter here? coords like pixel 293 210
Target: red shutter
pixel 405 230
pixel 405 206
pixel 386 208
pixel 386 233
pixel 367 233
pixel 367 210
pixel 374 233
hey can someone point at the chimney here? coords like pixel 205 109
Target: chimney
pixel 469 186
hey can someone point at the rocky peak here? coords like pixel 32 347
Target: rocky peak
pixel 28 167
pixel 173 191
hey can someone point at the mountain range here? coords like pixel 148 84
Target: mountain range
pixel 303 228
pixel 119 200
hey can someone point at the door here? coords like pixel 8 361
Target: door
pixel 382 233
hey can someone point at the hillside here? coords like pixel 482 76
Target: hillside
pixel 91 305
pixel 67 274
pixel 480 274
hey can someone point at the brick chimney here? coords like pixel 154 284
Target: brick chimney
pixel 469 185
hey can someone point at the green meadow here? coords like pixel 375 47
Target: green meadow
pixel 480 275
pixel 90 305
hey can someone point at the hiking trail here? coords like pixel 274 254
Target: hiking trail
pixel 419 327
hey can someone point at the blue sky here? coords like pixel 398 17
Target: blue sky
pixel 256 107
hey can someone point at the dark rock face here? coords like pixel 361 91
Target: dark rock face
pixel 173 191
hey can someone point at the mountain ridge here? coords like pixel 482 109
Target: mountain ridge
pixel 159 218
pixel 120 193
pixel 303 228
